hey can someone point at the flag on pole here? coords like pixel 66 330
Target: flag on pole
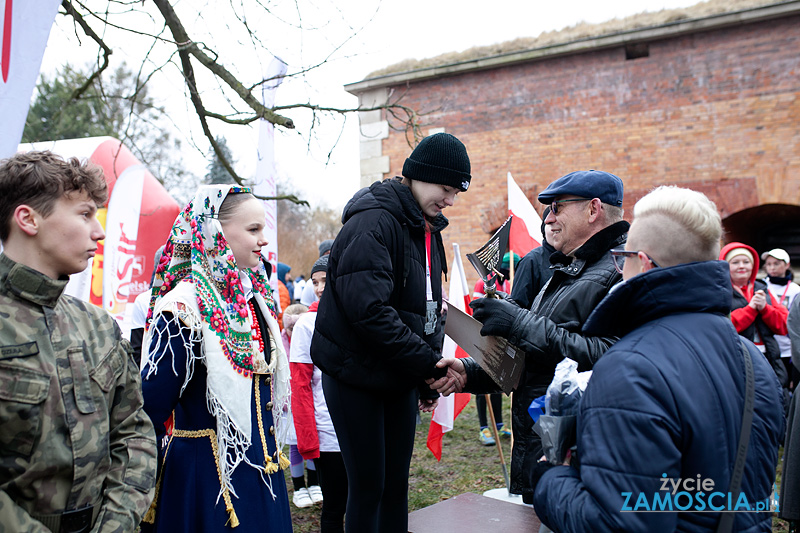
pixel 451 406
pixel 265 170
pixel 526 226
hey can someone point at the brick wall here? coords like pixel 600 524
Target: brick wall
pixel 717 111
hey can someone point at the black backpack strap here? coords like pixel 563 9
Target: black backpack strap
pixel 726 520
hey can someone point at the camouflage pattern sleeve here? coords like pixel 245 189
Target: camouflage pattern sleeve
pixel 14 518
pixel 129 486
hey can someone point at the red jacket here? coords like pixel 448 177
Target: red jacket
pixel 305 421
pixel 774 314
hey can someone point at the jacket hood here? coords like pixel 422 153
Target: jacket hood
pixel 756 263
pixel 395 198
pixel 283 269
pixel 702 287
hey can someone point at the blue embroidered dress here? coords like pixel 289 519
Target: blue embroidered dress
pixel 189 482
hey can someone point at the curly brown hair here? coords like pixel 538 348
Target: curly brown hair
pixel 39 179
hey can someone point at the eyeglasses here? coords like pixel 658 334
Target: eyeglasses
pixel 619 255
pixel 554 206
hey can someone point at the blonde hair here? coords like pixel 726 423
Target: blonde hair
pixel 292 314
pixel 677 226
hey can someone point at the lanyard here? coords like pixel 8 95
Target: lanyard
pixel 784 293
pixel 428 290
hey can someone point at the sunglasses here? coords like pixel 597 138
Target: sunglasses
pixel 618 255
pixel 554 206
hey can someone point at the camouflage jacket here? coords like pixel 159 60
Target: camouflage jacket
pixel 73 430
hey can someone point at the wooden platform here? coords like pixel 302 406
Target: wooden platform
pixel 473 513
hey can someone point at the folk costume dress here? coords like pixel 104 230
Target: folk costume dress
pixel 215 380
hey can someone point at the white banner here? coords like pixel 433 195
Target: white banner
pixel 25 29
pixel 265 170
pixel 122 231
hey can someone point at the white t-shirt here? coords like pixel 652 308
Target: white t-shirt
pixel 140 307
pixel 300 352
pixel 786 293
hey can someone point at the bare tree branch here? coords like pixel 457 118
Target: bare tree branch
pixel 67 5
pixel 195 59
pixel 185 44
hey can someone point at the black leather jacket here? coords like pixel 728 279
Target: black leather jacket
pixel 551 330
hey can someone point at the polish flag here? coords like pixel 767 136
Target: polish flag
pixel 526 226
pixel 451 406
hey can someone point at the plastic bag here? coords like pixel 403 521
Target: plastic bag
pixel 557 425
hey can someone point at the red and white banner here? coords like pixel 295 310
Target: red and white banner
pixel 526 226
pixel 265 170
pixel 451 406
pixel 122 232
pixel 25 29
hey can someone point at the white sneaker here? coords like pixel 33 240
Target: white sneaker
pixel 316 493
pixel 302 499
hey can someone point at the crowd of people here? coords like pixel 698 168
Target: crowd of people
pixel 186 425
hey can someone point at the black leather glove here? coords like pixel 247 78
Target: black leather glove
pixel 496 314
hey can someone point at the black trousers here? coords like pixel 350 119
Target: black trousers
pixel 376 436
pixel 497 408
pixel 333 482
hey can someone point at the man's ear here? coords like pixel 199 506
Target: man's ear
pixel 645 262
pixel 595 205
pixel 27 219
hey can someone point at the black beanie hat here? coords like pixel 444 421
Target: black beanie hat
pixel 439 158
pixel 320 265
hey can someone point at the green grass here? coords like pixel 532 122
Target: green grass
pixel 466 466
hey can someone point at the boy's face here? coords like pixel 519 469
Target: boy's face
pixel 67 238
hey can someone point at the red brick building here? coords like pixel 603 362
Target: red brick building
pixel 710 103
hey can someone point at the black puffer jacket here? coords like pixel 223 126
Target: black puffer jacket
pixel 552 331
pixel 371 318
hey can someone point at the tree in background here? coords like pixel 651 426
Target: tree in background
pixel 300 230
pixel 75 104
pixel 217 49
pixel 217 172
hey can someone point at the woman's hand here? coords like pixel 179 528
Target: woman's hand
pixel 427 406
pixel 453 381
pixel 758 301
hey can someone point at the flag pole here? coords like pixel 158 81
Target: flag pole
pixel 497 440
pixel 511 268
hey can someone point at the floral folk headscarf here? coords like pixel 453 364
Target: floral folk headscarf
pixel 198 282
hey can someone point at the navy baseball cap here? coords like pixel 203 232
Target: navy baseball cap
pixel 586 184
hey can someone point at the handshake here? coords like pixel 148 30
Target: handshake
pixel 453 381
pixel 497 316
